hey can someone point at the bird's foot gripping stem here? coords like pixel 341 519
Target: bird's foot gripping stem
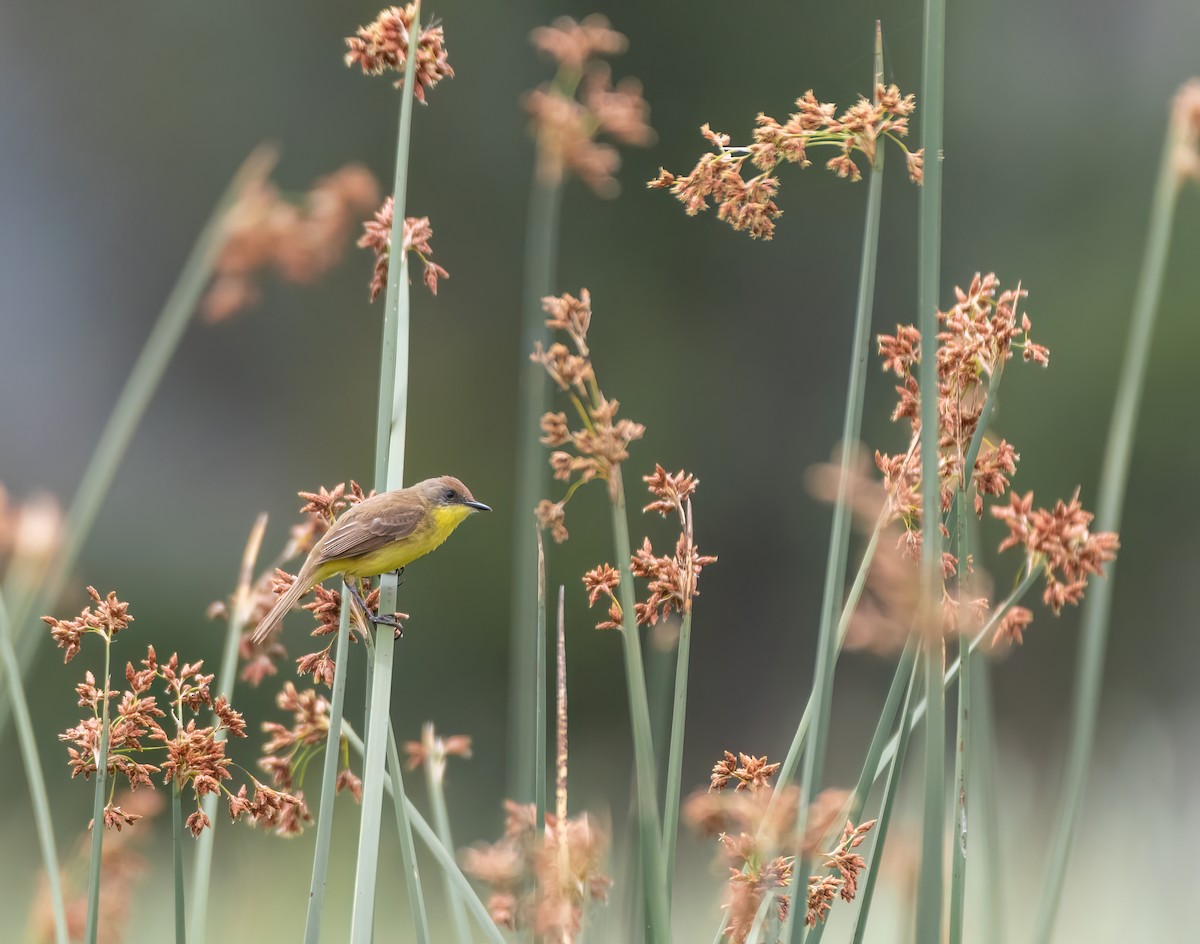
pixel 379 619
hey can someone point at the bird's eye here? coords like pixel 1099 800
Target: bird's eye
pixel 449 495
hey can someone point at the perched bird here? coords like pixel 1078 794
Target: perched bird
pixel 380 534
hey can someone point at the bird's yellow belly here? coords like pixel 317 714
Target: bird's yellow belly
pixel 441 523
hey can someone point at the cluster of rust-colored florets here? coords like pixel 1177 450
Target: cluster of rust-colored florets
pixel 382 46
pixel 749 205
pixel 377 236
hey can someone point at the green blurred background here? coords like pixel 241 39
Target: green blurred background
pixel 121 124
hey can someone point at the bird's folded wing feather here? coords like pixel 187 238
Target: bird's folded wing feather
pixel 358 534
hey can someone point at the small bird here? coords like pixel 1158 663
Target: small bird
pixel 380 534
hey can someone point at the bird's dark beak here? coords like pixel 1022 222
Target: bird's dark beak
pixel 478 506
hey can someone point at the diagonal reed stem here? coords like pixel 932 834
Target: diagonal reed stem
pixel 238 617
pixel 839 534
pixel 435 783
pixel 408 851
pixel 33 772
pixel 1114 477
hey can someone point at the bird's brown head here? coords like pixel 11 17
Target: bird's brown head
pixel 446 490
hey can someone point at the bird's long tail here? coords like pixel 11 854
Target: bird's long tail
pixel 269 623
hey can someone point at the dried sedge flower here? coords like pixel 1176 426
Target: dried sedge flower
pixel 1185 121
pixel 299 241
pixel 568 114
pixel 109 617
pixel 30 533
pixel 382 46
pixel 377 236
pixel 749 204
pixel 433 749
pixel 750 772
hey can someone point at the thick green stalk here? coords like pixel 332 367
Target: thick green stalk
pixel 435 783
pixel 649 825
pixel 177 856
pixel 539 661
pixel 408 851
pixel 675 759
pixel 839 533
pixel 983 733
pixel 443 855
pixel 389 474
pixel 33 771
pixel 895 766
pixel 962 756
pixel 541 248
pixel 929 896
pixel 202 862
pixel 95 862
pixel 329 769
pixel 131 406
pixel 1114 476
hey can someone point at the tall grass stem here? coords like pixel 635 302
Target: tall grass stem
pixel 95 861
pixel 177 857
pixel 408 850
pixel 674 786
pixel 963 740
pixel 539 661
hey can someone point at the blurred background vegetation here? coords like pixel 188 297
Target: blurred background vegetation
pixel 121 125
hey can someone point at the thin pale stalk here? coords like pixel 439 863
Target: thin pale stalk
pixel 760 917
pixel 675 758
pixel 894 766
pixel 963 740
pixel 408 850
pixel 539 661
pixel 435 783
pixel 389 474
pixel 532 477
pixel 443 855
pixel 95 862
pixel 839 532
pixel 929 889
pixel 983 733
pixel 1114 476
pixel 649 825
pixel 329 769
pixel 140 386
pixel 202 862
pixel 177 858
pixel 33 772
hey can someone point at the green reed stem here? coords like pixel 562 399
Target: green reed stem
pixel 443 855
pixel 894 766
pixel 226 676
pixel 177 856
pixel 33 772
pixel 329 769
pixel 408 850
pixel 1114 477
pixel 675 758
pixel 929 896
pixel 839 533
pixel 541 250
pixel 983 733
pixel 389 474
pixel 95 862
pixel 539 660
pixel 649 825
pixel 435 783
pixel 130 407
pixel 962 756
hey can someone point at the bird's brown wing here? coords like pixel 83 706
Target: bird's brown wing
pixel 363 529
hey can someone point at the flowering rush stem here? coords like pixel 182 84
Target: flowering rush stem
pixel 649 827
pixel 408 851
pixel 94 863
pixel 202 863
pixel 33 771
pixel 131 405
pixel 337 699
pixel 435 783
pixel 1114 476
pixel 675 758
pixel 962 756
pixel 177 855
pixel 539 661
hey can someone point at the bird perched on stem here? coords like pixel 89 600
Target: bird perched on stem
pixel 379 534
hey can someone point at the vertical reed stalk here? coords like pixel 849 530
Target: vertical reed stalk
pixel 177 856
pixel 389 474
pixel 839 533
pixel 408 851
pixel 983 732
pixel 539 661
pixel 33 772
pixel 435 783
pixel 929 897
pixel 675 758
pixel 657 916
pixel 962 756
pixel 238 607
pixel 337 699
pixel 95 863
pixel 560 739
pixel 1114 476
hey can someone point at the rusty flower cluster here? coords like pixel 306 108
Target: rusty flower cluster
pixel 377 236
pixel 290 748
pixel 601 443
pixel 1185 122
pixel 30 533
pixel 382 46
pixel 753 823
pixel 570 113
pixel 748 204
pixel 672 580
pixel 299 240
pixel 542 880
pixel 194 753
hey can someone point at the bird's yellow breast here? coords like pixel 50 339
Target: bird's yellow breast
pixel 439 523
